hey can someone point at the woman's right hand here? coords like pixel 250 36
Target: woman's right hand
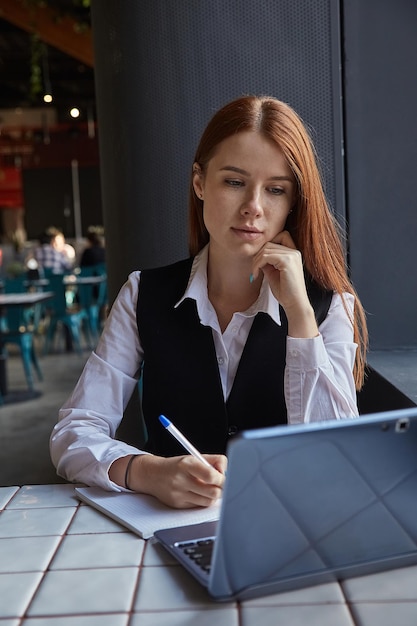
pixel 181 481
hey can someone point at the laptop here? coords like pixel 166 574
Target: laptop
pixel 308 504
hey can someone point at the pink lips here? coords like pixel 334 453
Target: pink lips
pixel 248 233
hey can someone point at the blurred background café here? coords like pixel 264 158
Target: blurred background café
pixel 49 161
pixel 53 293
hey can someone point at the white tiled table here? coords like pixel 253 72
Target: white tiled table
pixel 63 564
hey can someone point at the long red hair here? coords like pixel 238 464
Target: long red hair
pixel 311 223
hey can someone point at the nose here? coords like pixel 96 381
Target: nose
pixel 252 204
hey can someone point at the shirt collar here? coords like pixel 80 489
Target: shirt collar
pixel 197 290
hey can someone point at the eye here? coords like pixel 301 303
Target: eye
pixel 233 182
pixel 276 191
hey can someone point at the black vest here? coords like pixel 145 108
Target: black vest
pixel 180 374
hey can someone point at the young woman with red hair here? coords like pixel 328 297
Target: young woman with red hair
pixel 260 326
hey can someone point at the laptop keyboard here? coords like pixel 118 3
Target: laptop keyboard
pixel 199 551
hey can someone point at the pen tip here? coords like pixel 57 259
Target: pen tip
pixel 164 421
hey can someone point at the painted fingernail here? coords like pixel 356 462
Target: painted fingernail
pixel 251 278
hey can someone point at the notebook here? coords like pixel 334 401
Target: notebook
pixel 308 504
pixel 143 514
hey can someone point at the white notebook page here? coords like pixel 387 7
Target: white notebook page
pixel 141 513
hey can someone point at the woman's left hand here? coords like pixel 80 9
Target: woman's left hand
pixel 282 265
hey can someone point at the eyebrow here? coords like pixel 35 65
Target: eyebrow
pixel 238 170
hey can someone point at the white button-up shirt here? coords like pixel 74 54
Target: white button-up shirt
pixel 318 375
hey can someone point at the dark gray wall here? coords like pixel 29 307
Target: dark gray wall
pixel 380 96
pixel 163 67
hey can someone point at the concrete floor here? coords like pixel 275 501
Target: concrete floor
pixel 25 426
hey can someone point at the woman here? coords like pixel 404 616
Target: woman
pixel 261 326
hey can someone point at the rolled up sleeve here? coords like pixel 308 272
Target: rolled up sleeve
pixel 82 444
pixel 319 383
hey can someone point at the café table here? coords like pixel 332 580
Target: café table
pixel 64 563
pixel 18 300
pixel 75 279
pixel 36 284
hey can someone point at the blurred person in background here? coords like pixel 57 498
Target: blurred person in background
pixel 94 253
pixel 62 246
pixel 53 252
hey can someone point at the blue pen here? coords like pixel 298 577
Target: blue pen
pixel 166 423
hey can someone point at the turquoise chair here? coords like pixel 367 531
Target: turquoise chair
pixel 73 317
pixel 15 285
pixel 93 297
pixel 87 297
pixel 17 328
pixel 32 314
